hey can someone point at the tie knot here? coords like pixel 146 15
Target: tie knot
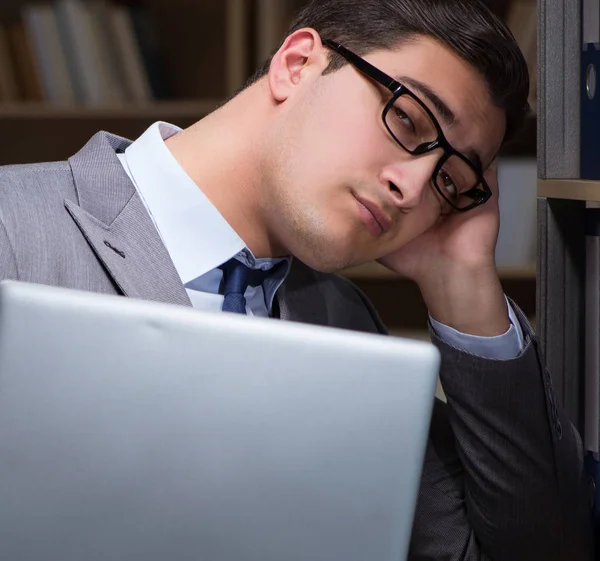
pixel 237 277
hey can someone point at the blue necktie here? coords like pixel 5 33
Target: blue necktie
pixel 237 277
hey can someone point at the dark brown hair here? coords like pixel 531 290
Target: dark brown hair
pixel 467 27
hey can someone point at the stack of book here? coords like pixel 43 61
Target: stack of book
pixel 70 52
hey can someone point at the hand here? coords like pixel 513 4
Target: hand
pixel 453 264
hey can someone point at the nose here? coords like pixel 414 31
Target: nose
pixel 409 180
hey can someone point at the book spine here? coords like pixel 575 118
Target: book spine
pixel 47 48
pixel 25 65
pixel 9 87
pixel 78 40
pixel 147 38
pixel 104 51
pixel 134 73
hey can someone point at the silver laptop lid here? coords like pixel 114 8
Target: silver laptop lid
pixel 132 430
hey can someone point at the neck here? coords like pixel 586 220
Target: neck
pixel 224 154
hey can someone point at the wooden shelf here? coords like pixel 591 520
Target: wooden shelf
pixel 523 272
pixel 155 110
pixel 376 271
pixel 572 189
pixel 40 132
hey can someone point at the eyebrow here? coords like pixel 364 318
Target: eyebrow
pixel 447 115
pixel 475 158
pixel 441 106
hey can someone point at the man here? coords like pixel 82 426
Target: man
pixel 372 133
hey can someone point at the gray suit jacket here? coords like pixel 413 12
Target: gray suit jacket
pixel 503 476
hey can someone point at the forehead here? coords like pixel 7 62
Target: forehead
pixel 435 74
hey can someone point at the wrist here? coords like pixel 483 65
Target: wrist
pixel 469 299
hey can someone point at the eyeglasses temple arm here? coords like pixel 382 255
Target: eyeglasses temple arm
pixel 366 68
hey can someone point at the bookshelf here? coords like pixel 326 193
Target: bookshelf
pixel 200 51
pixel 44 133
pixel 570 189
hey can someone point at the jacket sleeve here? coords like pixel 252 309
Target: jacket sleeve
pixel 503 478
pixel 526 495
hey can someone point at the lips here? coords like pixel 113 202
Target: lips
pixel 383 223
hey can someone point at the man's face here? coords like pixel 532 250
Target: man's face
pixel 341 190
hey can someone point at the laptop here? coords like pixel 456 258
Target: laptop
pixel 132 430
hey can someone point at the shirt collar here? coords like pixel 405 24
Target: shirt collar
pixel 194 232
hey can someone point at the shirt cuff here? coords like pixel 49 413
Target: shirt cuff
pixel 507 346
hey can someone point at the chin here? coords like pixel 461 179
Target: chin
pixel 322 267
pixel 325 259
pixel 321 244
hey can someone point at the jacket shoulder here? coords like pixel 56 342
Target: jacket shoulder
pixel 31 194
pixel 41 180
pixel 34 224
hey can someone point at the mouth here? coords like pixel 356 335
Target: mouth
pixel 374 218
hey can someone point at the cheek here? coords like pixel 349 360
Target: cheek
pixel 346 135
pixel 336 139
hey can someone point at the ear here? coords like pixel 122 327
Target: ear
pixel 301 57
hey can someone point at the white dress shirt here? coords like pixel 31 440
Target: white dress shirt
pixel 199 239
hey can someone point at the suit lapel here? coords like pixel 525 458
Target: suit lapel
pixel 113 219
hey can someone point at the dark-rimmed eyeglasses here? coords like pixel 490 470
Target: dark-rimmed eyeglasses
pixel 414 127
